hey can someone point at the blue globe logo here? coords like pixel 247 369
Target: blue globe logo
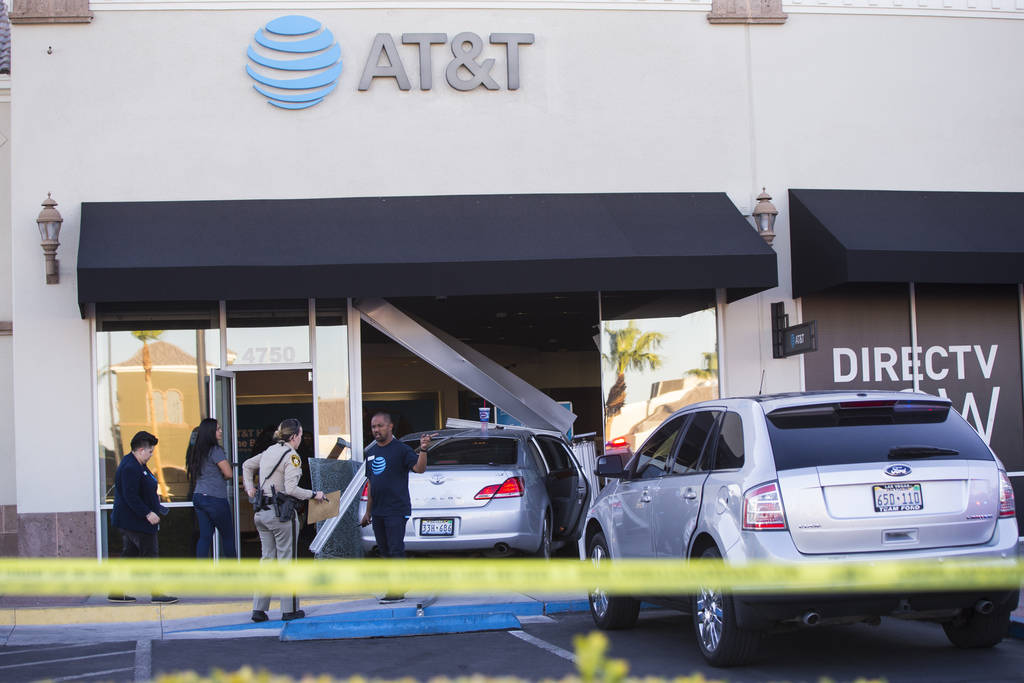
pixel 299 59
pixel 378 464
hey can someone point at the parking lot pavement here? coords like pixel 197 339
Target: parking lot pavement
pixel 88 661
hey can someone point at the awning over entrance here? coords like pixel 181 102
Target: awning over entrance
pixel 417 246
pixel 841 236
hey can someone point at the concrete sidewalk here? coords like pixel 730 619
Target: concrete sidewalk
pixel 36 621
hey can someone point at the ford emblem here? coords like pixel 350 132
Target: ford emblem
pixel 897 470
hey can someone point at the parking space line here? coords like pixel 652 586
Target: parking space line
pixel 143 660
pixel 91 674
pixel 544 645
pixel 42 648
pixel 67 659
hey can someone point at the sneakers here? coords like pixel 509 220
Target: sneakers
pixel 289 616
pixel 120 598
pixel 391 599
pixel 259 615
pixel 164 599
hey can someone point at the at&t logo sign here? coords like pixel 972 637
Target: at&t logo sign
pixel 296 62
pixel 300 59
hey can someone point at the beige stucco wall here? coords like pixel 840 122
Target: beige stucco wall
pixel 147 104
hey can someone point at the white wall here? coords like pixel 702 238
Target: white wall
pixel 155 105
pixel 8 484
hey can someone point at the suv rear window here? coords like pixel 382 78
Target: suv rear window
pixel 871 431
pixel 470 452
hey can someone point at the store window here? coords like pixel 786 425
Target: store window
pixel 652 367
pixel 331 370
pixel 151 376
pixel 268 333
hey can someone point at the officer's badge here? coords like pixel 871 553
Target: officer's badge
pixel 296 461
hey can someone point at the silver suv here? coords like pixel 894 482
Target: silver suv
pixel 808 477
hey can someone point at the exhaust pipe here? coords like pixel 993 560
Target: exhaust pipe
pixel 984 607
pixel 810 618
pixel 501 547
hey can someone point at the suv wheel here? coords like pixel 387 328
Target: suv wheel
pixel 972 630
pixel 721 641
pixel 609 613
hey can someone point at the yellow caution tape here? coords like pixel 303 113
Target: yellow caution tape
pixel 473 576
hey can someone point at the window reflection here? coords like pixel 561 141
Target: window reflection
pixel 152 380
pixel 260 333
pixel 332 378
pixel 652 367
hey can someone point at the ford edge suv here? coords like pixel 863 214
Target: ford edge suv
pixel 809 477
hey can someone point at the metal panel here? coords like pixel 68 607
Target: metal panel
pixel 470 368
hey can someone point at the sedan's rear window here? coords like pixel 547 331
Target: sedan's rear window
pixel 871 431
pixel 469 452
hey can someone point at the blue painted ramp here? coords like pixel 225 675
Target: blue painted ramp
pixel 400 626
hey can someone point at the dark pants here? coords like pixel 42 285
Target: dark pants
pixel 213 512
pixel 138 544
pixel 390 535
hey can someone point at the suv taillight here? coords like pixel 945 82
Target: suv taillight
pixel 366 491
pixel 510 488
pixel 762 508
pixel 1006 507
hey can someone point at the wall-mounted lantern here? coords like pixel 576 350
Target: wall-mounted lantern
pixel 49 233
pixel 764 216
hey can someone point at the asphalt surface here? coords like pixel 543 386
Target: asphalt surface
pixel 660 645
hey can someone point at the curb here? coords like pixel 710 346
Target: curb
pixel 133 613
pixel 1016 628
pixel 404 626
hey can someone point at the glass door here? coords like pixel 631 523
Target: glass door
pixel 222 408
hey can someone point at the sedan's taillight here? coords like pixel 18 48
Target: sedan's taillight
pixel 366 492
pixel 1006 506
pixel 762 508
pixel 510 488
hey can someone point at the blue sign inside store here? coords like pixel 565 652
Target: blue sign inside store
pixel 503 418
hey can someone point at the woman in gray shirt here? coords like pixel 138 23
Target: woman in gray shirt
pixel 208 468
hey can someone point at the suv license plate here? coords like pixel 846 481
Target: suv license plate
pixel 437 527
pixel 897 497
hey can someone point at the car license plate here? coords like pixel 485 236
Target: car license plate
pixel 437 527
pixel 902 497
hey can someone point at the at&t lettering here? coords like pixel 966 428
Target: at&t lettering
pixel 466 70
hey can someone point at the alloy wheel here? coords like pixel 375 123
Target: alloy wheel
pixel 598 598
pixel 709 618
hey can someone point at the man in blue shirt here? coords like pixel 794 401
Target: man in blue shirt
pixel 388 507
pixel 137 507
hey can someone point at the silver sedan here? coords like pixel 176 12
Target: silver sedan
pixel 497 491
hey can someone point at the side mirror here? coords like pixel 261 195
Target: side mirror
pixel 609 466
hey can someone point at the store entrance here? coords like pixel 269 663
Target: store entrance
pixel 249 405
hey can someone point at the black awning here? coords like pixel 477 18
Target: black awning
pixel 417 246
pixel 841 236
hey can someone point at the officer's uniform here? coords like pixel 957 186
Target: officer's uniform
pixel 277 538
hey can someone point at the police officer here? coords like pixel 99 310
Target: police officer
pixel 279 468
